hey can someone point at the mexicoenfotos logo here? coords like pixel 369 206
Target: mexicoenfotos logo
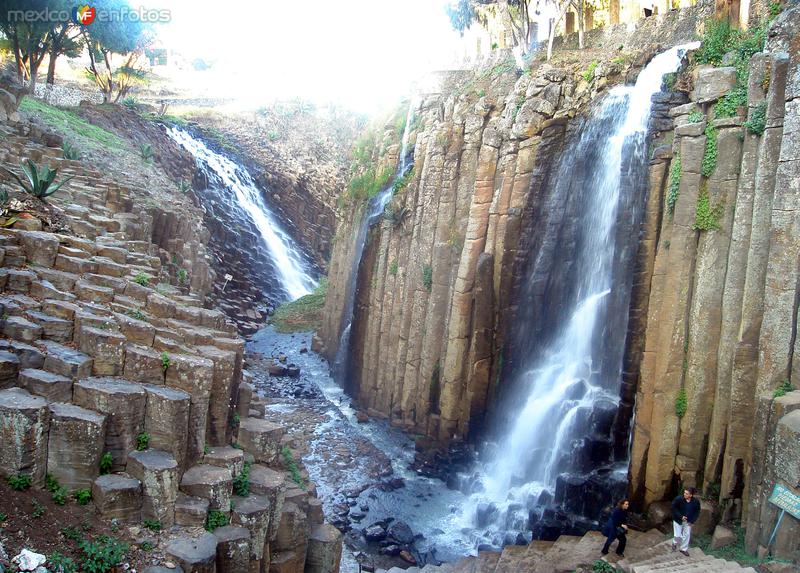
pixel 83 15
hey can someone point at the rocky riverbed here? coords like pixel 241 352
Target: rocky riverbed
pixel 362 468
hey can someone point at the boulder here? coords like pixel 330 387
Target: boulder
pixel 190 511
pixel 233 549
pixel 711 83
pixel 261 438
pixel 158 472
pixel 118 496
pixel 659 513
pixel 324 552
pixel 194 554
pixel 75 445
pixel 124 403
pixel 46 384
pixel 166 420
pixel 24 425
pixel 722 536
pixel 252 513
pixel 211 483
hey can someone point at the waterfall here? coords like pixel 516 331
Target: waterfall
pixel 374 211
pixel 556 446
pixel 239 198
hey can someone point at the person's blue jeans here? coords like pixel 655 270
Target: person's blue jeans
pixel 620 546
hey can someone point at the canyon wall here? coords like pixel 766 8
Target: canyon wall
pixel 438 285
pixel 719 312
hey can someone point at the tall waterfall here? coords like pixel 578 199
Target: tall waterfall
pixel 568 375
pixel 238 194
pixel 374 211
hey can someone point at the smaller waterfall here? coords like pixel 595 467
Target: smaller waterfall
pixel 374 211
pixel 242 195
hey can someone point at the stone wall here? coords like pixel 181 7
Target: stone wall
pixel 722 306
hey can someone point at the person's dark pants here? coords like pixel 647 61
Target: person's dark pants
pixel 620 546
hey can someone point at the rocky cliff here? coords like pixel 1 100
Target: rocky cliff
pixel 719 311
pixel 439 281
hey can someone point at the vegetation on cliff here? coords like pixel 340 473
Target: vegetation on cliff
pixel 303 314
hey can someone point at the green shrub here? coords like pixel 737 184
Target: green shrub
pixel 165 361
pixel 141 279
pixel 216 519
pixel 274 135
pixel 241 483
pixel 82 496
pixel 146 151
pixel 106 463
pixel 707 217
pixel 3 517
pixel 102 555
pixel 674 183
pixel 696 116
pixel 669 81
pixel 757 122
pixel 402 182
pixel 681 403
pixel 152 524
pixel 72 533
pixel 142 441
pixel 734 552
pixel 70 151
pixel 184 186
pixel 600 566
pixel 38 509
pixel 291 465
pixel 710 154
pixel 718 40
pixel 59 496
pixel 137 314
pixel 368 183
pixel 427 277
pixel 50 483
pixel 58 563
pixel 393 268
pixel 183 276
pixel 397 217
pixel 783 388
pixel 19 482
pixel 588 75
pixel 130 102
pixel 39 183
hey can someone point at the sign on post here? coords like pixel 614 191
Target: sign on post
pixel 786 500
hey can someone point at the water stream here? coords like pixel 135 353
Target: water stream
pixel 236 195
pixel 374 211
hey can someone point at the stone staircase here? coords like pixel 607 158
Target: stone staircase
pixel 100 355
pixel 646 552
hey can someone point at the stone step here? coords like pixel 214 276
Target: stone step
pixel 209 482
pixel 53 387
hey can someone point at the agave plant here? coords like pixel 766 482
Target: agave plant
pixel 38 183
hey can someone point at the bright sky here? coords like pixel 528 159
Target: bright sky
pixel 363 54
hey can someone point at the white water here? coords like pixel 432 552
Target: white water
pixel 293 273
pixel 565 384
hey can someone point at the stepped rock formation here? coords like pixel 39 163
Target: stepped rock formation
pixel 100 367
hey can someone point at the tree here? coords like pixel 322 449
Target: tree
pixel 123 37
pixel 29 39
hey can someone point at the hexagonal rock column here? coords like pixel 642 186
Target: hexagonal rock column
pixel 287 562
pixel 143 364
pixel 226 457
pixel 106 347
pixel 233 549
pixel 219 412
pixel 193 375
pixel 77 438
pixel 195 555
pixel 272 485
pixel 40 248
pixel 65 361
pixel 9 368
pixel 124 403
pixel 118 496
pixel 190 511
pixel 158 472
pixel 46 384
pixel 166 420
pixel 245 396
pixel 261 438
pixel 324 552
pixel 292 530
pixel 252 513
pixel 24 424
pixel 211 483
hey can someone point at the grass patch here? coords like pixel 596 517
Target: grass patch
pixel 303 314
pixel 69 124
pixel 733 552
pixel 291 465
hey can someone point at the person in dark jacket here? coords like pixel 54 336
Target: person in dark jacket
pixel 685 511
pixel 615 528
